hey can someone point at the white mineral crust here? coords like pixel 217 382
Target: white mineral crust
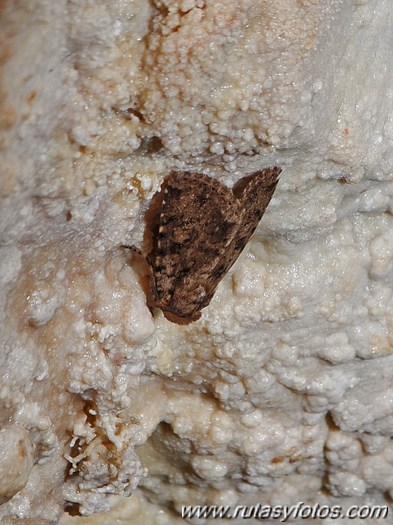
pixel 283 391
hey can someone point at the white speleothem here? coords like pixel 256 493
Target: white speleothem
pixel 282 391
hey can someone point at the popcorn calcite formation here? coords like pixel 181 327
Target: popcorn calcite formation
pixel 281 392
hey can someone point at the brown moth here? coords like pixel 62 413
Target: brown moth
pixel 201 229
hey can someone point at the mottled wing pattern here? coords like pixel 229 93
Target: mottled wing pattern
pixel 250 198
pixel 253 194
pixel 197 224
pixel 203 227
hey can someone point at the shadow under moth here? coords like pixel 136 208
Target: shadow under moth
pixel 199 229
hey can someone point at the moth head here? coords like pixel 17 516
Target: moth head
pixel 179 319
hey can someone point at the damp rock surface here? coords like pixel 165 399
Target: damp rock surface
pixel 282 392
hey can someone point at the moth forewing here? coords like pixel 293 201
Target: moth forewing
pixel 203 227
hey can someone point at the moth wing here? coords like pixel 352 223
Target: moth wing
pixel 253 194
pixel 197 225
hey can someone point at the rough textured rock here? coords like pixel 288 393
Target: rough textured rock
pixel 282 391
